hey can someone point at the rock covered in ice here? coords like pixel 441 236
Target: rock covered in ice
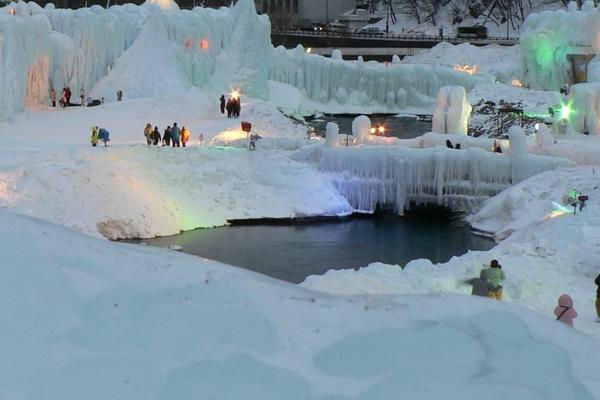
pixel 361 128
pixel 332 134
pixel 452 111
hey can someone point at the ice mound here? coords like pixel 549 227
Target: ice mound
pixel 452 111
pixel 150 67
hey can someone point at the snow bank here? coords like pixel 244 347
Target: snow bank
pixel 88 329
pixel 500 62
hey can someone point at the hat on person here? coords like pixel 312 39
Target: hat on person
pixel 494 264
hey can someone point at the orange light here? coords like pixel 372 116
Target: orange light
pixel 469 69
pixel 381 129
pixel 204 44
pixel 13 12
pixel 372 130
pixel 235 94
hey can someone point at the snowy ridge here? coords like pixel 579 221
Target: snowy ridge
pixel 390 87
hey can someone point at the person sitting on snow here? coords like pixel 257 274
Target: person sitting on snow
pixel 494 276
pixel 481 286
pixel 565 312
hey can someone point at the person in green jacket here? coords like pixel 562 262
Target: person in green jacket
pixel 494 276
pixel 94 136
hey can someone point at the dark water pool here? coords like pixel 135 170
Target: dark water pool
pixel 292 252
pixel 400 127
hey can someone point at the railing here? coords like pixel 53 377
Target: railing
pixel 396 36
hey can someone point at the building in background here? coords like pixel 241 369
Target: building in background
pixel 286 14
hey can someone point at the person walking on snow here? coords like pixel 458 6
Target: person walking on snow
pixel 148 133
pixel 597 281
pixel 155 136
pixel 222 104
pixel 175 134
pixel 494 277
pixel 185 135
pixel 565 312
pixel 95 134
pixel 167 137
pixel 53 97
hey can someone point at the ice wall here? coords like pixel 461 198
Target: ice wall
pixel 390 87
pixel 548 37
pixel 452 111
pixel 76 48
pixel 584 98
pixel 394 176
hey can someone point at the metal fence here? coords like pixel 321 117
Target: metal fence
pixel 398 37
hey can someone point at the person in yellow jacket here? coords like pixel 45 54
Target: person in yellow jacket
pixel 94 136
pixel 185 135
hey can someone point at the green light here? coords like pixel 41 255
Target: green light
pixel 565 111
pixel 573 194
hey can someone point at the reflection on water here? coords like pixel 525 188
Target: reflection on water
pixel 400 127
pixel 292 252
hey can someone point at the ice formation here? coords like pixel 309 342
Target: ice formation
pixel 549 37
pixel 47 47
pixel 332 134
pixel 452 111
pixel 391 87
pixel 361 128
pixel 396 176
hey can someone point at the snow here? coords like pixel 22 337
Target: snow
pixel 86 318
pixel 103 320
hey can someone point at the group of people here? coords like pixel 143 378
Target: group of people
pixel 173 135
pixel 233 106
pixel 489 284
pixel 450 146
pixel 65 97
pixel 100 134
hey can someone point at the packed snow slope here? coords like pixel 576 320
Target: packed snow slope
pixel 130 190
pixel 85 318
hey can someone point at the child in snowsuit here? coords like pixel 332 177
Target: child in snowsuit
pixel 494 276
pixel 565 312
pixel 95 134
